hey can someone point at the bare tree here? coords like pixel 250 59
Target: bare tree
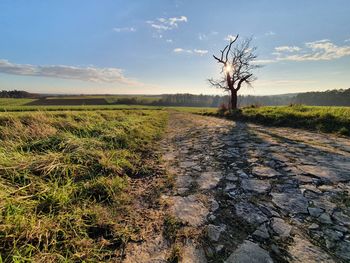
pixel 236 61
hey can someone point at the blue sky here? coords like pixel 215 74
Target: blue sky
pixel 160 46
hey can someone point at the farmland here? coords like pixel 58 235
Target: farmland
pixel 90 183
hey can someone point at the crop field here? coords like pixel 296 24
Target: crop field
pixel 65 181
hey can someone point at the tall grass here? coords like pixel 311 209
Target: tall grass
pixel 64 180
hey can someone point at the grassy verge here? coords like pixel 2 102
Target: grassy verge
pixel 317 118
pixel 65 182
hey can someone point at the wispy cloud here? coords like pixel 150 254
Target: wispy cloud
pixel 181 50
pixel 91 74
pixel 202 36
pixel 270 33
pixel 164 24
pixel 124 29
pixel 200 52
pixel 287 49
pixel 318 50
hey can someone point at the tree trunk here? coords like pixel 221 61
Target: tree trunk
pixel 233 99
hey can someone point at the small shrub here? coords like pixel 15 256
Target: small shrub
pixel 223 108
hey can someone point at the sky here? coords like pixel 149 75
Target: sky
pixel 166 46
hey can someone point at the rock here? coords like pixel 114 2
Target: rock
pixel 214 232
pixel 187 164
pixel 325 219
pixel 290 202
pixel 268 210
pixel 214 205
pixel 280 227
pixel 192 254
pixel 209 180
pixel 189 209
pixel 304 251
pixel 256 185
pixel 250 213
pixel 249 252
pixel 343 250
pixel 332 237
pixel 324 173
pixel 229 187
pixel 242 174
pixel 264 171
pixel 342 229
pixel 233 193
pixel 231 177
pixel 261 233
pixel 315 212
pixel 341 218
pixel 218 248
pixel 314 226
pixel 212 217
pixel 197 168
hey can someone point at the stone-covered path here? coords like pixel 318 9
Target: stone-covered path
pixel 249 193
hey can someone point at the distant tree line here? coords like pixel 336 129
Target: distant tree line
pixel 18 94
pixel 326 98
pixel 190 100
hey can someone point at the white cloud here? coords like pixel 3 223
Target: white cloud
pixel 270 33
pixel 287 48
pixel 124 29
pixel 91 74
pixel 200 52
pixel 230 37
pixel 347 40
pixel 169 41
pixel 163 24
pixel 181 50
pixel 318 50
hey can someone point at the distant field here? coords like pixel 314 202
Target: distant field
pixel 14 102
pixel 81 101
pixel 65 182
pixel 73 107
pixel 319 118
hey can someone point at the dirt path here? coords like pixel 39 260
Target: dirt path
pixel 248 193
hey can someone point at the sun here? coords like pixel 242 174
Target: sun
pixel 228 68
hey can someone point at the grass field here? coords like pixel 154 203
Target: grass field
pixel 324 119
pixel 65 182
pixel 14 102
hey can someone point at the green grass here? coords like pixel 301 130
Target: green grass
pixel 14 102
pixel 64 185
pixel 318 118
